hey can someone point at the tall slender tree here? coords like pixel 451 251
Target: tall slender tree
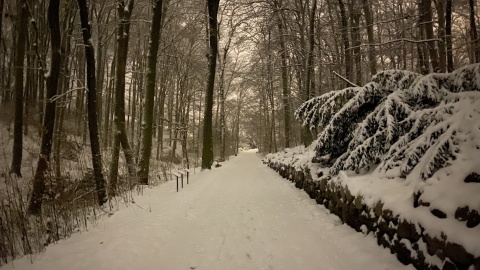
pixel 35 201
pixel 284 68
pixel 448 35
pixel 427 21
pixel 207 150
pixel 310 80
pixel 121 137
pixel 22 27
pixel 441 35
pixel 372 61
pixel 91 104
pixel 346 42
pixel 473 33
pixel 147 131
pixel 2 2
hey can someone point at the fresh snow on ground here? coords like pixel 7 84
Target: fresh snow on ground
pixel 242 215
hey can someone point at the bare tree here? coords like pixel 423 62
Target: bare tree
pixel 147 131
pixel 448 35
pixel 120 137
pixel 427 21
pixel 372 61
pixel 35 201
pixel 91 104
pixel 346 42
pixel 22 25
pixel 473 33
pixel 207 150
pixel 284 68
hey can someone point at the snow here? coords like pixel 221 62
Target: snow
pixel 239 216
pixel 397 195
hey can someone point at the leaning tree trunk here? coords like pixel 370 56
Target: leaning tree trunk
pixel 91 104
pixel 150 93
pixel 120 137
pixel 19 58
pixel 35 201
pixel 207 150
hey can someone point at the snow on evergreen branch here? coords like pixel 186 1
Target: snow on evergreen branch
pixel 408 124
pixel 341 119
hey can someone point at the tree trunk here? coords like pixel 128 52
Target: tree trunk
pixel 284 68
pixel 422 55
pixel 371 49
pixel 310 80
pixel 124 13
pixel 448 35
pixel 1 21
pixel 207 150
pixel 346 43
pixel 19 100
pixel 91 104
pixel 473 33
pixel 150 92
pixel 428 24
pixel 441 35
pixel 356 40
pixel 109 99
pixel 35 200
pixel 222 86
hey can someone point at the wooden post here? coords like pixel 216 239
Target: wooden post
pixel 176 176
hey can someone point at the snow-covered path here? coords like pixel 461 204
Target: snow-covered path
pixel 239 216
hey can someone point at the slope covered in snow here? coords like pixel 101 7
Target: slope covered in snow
pixel 239 216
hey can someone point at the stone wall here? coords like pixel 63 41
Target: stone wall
pixel 409 242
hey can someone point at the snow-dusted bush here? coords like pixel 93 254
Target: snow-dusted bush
pixel 403 121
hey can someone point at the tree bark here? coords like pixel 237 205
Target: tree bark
pixel 120 137
pixel 284 68
pixel 150 93
pixel 91 104
pixel 441 35
pixel 422 55
pixel 1 19
pixel 207 150
pixel 356 40
pixel 35 200
pixel 310 80
pixel 371 49
pixel 448 35
pixel 346 43
pixel 473 33
pixel 428 25
pixel 19 95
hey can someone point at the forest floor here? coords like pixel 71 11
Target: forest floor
pixel 242 215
